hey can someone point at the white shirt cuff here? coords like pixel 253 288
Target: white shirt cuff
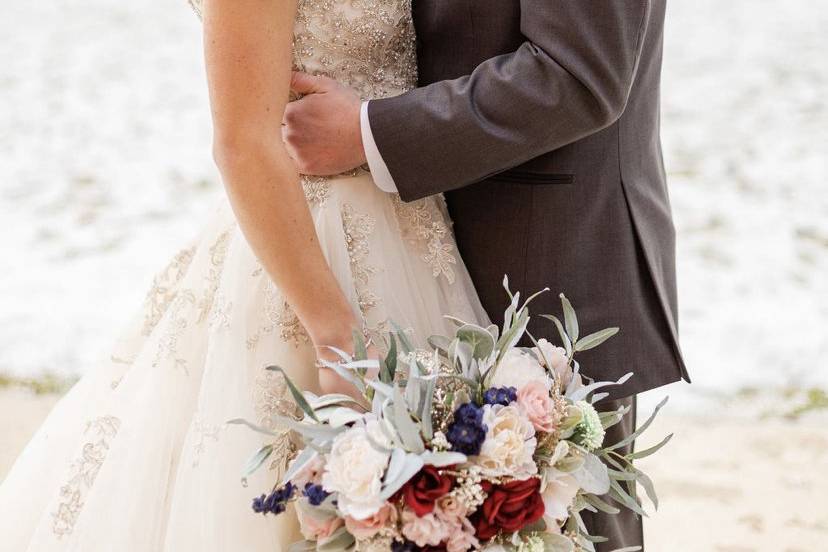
pixel 379 170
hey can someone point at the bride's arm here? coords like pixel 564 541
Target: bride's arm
pixel 248 51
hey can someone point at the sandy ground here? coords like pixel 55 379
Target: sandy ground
pixel 726 484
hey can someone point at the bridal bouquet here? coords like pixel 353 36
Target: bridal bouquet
pixel 474 444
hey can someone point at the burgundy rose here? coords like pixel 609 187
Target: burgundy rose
pixel 509 507
pixel 423 490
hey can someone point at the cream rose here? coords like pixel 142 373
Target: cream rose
pixel 558 361
pixel 517 368
pixel 535 403
pixel 509 445
pixel 354 470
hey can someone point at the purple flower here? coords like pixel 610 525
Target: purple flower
pixel 275 502
pixel 315 493
pixel 467 432
pixel 500 395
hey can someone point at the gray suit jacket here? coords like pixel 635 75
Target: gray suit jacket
pixel 539 120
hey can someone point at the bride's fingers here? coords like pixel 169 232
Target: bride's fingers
pixel 303 83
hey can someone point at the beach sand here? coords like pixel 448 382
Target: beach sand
pixel 726 483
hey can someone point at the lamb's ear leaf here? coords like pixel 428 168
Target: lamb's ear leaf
pixel 360 351
pixel 302 546
pixel 256 461
pixel 440 342
pixel 408 465
pixel 567 343
pixel 302 459
pixel 641 429
pixel 340 540
pixel 254 427
pixel 652 450
pixel 298 397
pixel 620 495
pixel 405 344
pixel 408 430
pixel 599 504
pixel 594 339
pixel 389 367
pixel 570 319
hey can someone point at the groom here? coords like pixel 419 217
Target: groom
pixel 539 120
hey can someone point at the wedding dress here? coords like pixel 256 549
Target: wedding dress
pixel 138 457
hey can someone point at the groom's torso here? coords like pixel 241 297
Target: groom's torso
pixel 591 219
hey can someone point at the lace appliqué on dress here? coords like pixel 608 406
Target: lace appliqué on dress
pixel 203 433
pixel 218 252
pixel 164 289
pixel 174 331
pixel 423 224
pixel 279 316
pixel 85 469
pixel 358 228
pixel 271 399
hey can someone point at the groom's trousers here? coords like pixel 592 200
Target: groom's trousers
pixel 624 529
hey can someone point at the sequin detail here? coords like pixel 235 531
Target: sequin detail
pixel 84 471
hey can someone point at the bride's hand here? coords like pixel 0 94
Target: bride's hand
pixel 329 380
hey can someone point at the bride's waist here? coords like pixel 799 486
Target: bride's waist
pixel 356 185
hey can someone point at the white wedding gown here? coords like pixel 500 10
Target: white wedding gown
pixel 137 457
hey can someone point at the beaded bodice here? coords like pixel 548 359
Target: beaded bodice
pixel 368 45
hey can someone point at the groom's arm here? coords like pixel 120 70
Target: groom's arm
pixel 570 78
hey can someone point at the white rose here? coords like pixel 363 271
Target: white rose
pixel 510 443
pixel 558 361
pixel 354 470
pixel 517 368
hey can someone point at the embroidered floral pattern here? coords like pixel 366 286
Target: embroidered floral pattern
pixel 358 228
pixel 220 313
pixel 84 471
pixel 279 316
pixel 271 398
pixel 423 224
pixel 164 288
pixel 218 252
pixel 173 332
pixel 202 434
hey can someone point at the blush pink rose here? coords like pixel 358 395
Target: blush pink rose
pixel 367 528
pixel 315 527
pixel 462 537
pixel 535 403
pixel 427 530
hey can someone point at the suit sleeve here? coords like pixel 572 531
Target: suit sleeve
pixel 570 78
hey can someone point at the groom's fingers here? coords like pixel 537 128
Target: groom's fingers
pixel 302 83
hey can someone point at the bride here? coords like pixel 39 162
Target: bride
pixel 137 457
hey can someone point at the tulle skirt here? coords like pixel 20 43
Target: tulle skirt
pixel 138 456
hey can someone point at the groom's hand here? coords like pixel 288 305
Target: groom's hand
pixel 322 129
